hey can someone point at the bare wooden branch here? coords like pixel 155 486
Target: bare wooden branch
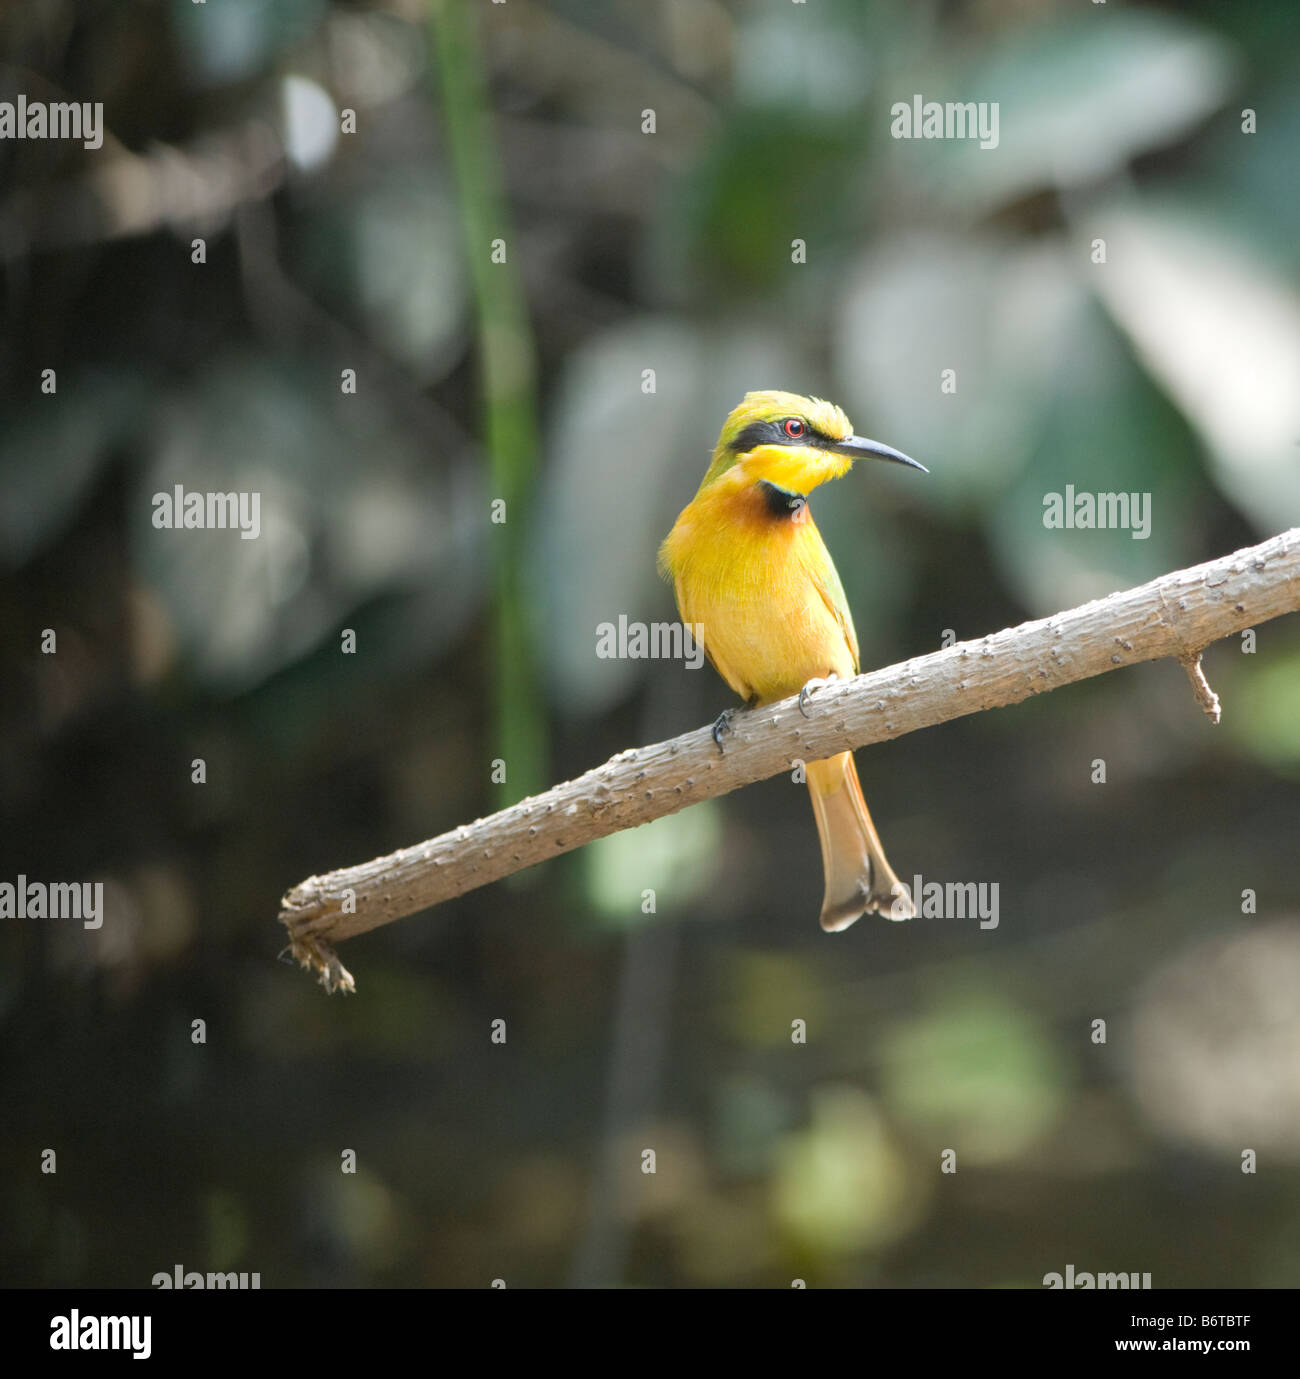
pixel 1175 616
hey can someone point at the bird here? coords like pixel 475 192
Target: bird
pixel 755 583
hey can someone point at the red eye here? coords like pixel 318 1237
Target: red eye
pixel 794 427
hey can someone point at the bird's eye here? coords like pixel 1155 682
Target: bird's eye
pixel 794 427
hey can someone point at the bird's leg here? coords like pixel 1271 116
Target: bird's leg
pixel 810 688
pixel 722 724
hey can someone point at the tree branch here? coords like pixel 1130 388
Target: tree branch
pixel 1175 616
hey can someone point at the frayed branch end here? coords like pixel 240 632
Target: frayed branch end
pixel 317 956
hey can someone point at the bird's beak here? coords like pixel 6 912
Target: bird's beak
pixel 858 447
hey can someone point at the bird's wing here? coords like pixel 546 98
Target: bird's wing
pixel 829 587
pixel 691 616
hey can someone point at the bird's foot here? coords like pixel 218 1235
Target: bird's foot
pixel 811 688
pixel 722 726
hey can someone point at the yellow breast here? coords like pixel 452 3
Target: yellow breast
pixel 755 584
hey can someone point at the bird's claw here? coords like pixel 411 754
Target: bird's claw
pixel 810 688
pixel 722 726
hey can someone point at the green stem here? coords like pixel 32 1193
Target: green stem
pixel 508 371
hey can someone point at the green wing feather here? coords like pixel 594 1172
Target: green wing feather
pixel 832 592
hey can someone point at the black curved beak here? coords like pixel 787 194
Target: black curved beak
pixel 861 448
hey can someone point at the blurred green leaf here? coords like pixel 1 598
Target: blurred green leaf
pixel 975 1072
pixel 1265 712
pixel 842 1185
pixel 1078 99
pixel 770 177
pixel 389 258
pixel 334 533
pixel 1108 431
pixel 998 314
pixel 1220 331
pixel 52 451
pixel 766 992
pixel 228 41
pixel 675 856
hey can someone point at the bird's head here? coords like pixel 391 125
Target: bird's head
pixel 791 441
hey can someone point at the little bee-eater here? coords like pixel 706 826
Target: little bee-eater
pixel 756 582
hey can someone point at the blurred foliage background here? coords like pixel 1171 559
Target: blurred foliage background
pixel 1172 369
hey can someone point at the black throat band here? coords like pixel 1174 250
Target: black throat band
pixel 780 501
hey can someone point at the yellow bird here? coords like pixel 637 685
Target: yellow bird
pixel 754 578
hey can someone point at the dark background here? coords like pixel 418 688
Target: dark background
pixel 1171 369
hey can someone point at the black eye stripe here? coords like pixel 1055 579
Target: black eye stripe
pixel 755 434
pixel 774 433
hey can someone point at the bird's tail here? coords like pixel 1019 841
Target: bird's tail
pixel 858 878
